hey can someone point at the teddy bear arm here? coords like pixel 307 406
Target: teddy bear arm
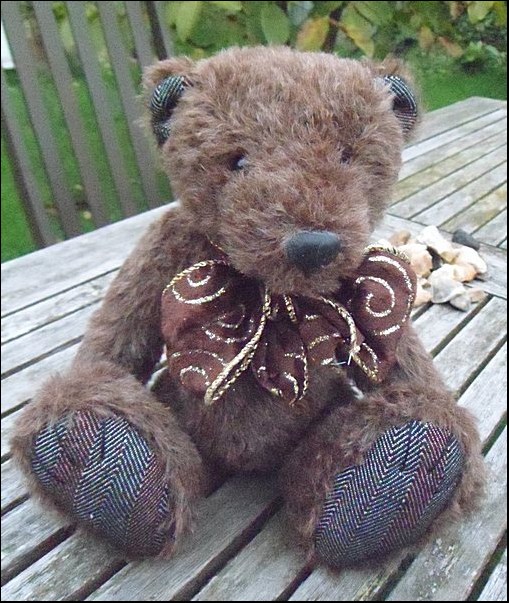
pixel 95 442
pixel 374 475
pixel 126 330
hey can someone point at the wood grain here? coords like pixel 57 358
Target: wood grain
pixel 486 398
pixel 27 534
pixel 70 569
pixel 482 213
pixel 482 141
pixel 428 197
pixel 495 231
pixel 42 342
pixel 13 490
pixel 262 571
pixel 447 569
pixel 460 359
pixel 496 587
pixel 463 197
pixel 56 307
pixel 29 279
pixel 448 144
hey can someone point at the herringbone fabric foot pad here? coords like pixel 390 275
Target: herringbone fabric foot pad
pixel 388 501
pixel 102 472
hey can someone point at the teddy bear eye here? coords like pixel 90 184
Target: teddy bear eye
pixel 239 162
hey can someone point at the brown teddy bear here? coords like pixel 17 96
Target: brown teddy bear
pixel 288 343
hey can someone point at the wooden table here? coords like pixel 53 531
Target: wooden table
pixel 454 176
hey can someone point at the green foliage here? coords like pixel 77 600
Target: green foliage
pixel 275 24
pixel 350 28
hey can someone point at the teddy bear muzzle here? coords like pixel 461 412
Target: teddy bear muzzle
pixel 311 250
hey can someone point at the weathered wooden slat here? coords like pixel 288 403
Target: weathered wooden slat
pixel 367 584
pixel 225 520
pixel 262 571
pixel 451 135
pixel 486 398
pixel 13 488
pixel 27 534
pixel 495 231
pixel 163 28
pixel 67 572
pixel 21 386
pixel 29 195
pixel 7 427
pixel 477 340
pixel 439 324
pixel 145 155
pixel 27 349
pixel 464 197
pixel 55 308
pixel 140 29
pixel 62 77
pixel 496 279
pixel 466 133
pixel 481 213
pixel 79 260
pixel 483 144
pixel 496 587
pixel 102 106
pixel 447 569
pixel 430 196
pixel 451 116
pixel 25 62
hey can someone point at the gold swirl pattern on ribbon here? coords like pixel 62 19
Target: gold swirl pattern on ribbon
pixel 217 324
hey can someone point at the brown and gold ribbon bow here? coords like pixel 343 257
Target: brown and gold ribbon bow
pixel 218 323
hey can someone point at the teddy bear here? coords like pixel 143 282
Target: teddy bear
pixel 287 338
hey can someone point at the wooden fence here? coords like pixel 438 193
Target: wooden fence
pixel 71 112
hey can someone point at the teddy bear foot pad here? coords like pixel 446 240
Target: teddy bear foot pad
pixel 387 502
pixel 102 472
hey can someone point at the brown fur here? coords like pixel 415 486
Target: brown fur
pixel 323 149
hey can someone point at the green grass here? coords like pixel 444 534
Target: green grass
pixel 442 82
pixel 16 237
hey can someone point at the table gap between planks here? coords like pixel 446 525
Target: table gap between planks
pixel 454 175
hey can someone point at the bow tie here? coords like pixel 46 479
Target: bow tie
pixel 218 323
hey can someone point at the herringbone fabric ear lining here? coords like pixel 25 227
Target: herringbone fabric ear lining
pixel 388 501
pixel 405 104
pixel 164 100
pixel 102 471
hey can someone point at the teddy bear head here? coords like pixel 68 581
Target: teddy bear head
pixel 284 159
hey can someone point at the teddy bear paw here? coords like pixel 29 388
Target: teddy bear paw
pixel 387 502
pixel 102 472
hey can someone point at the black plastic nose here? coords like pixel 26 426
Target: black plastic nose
pixel 311 250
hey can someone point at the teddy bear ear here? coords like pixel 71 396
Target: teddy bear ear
pixel 404 102
pixel 165 83
pixel 163 101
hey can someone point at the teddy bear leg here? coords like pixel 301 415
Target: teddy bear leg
pixel 97 445
pixel 373 475
pixel 364 484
